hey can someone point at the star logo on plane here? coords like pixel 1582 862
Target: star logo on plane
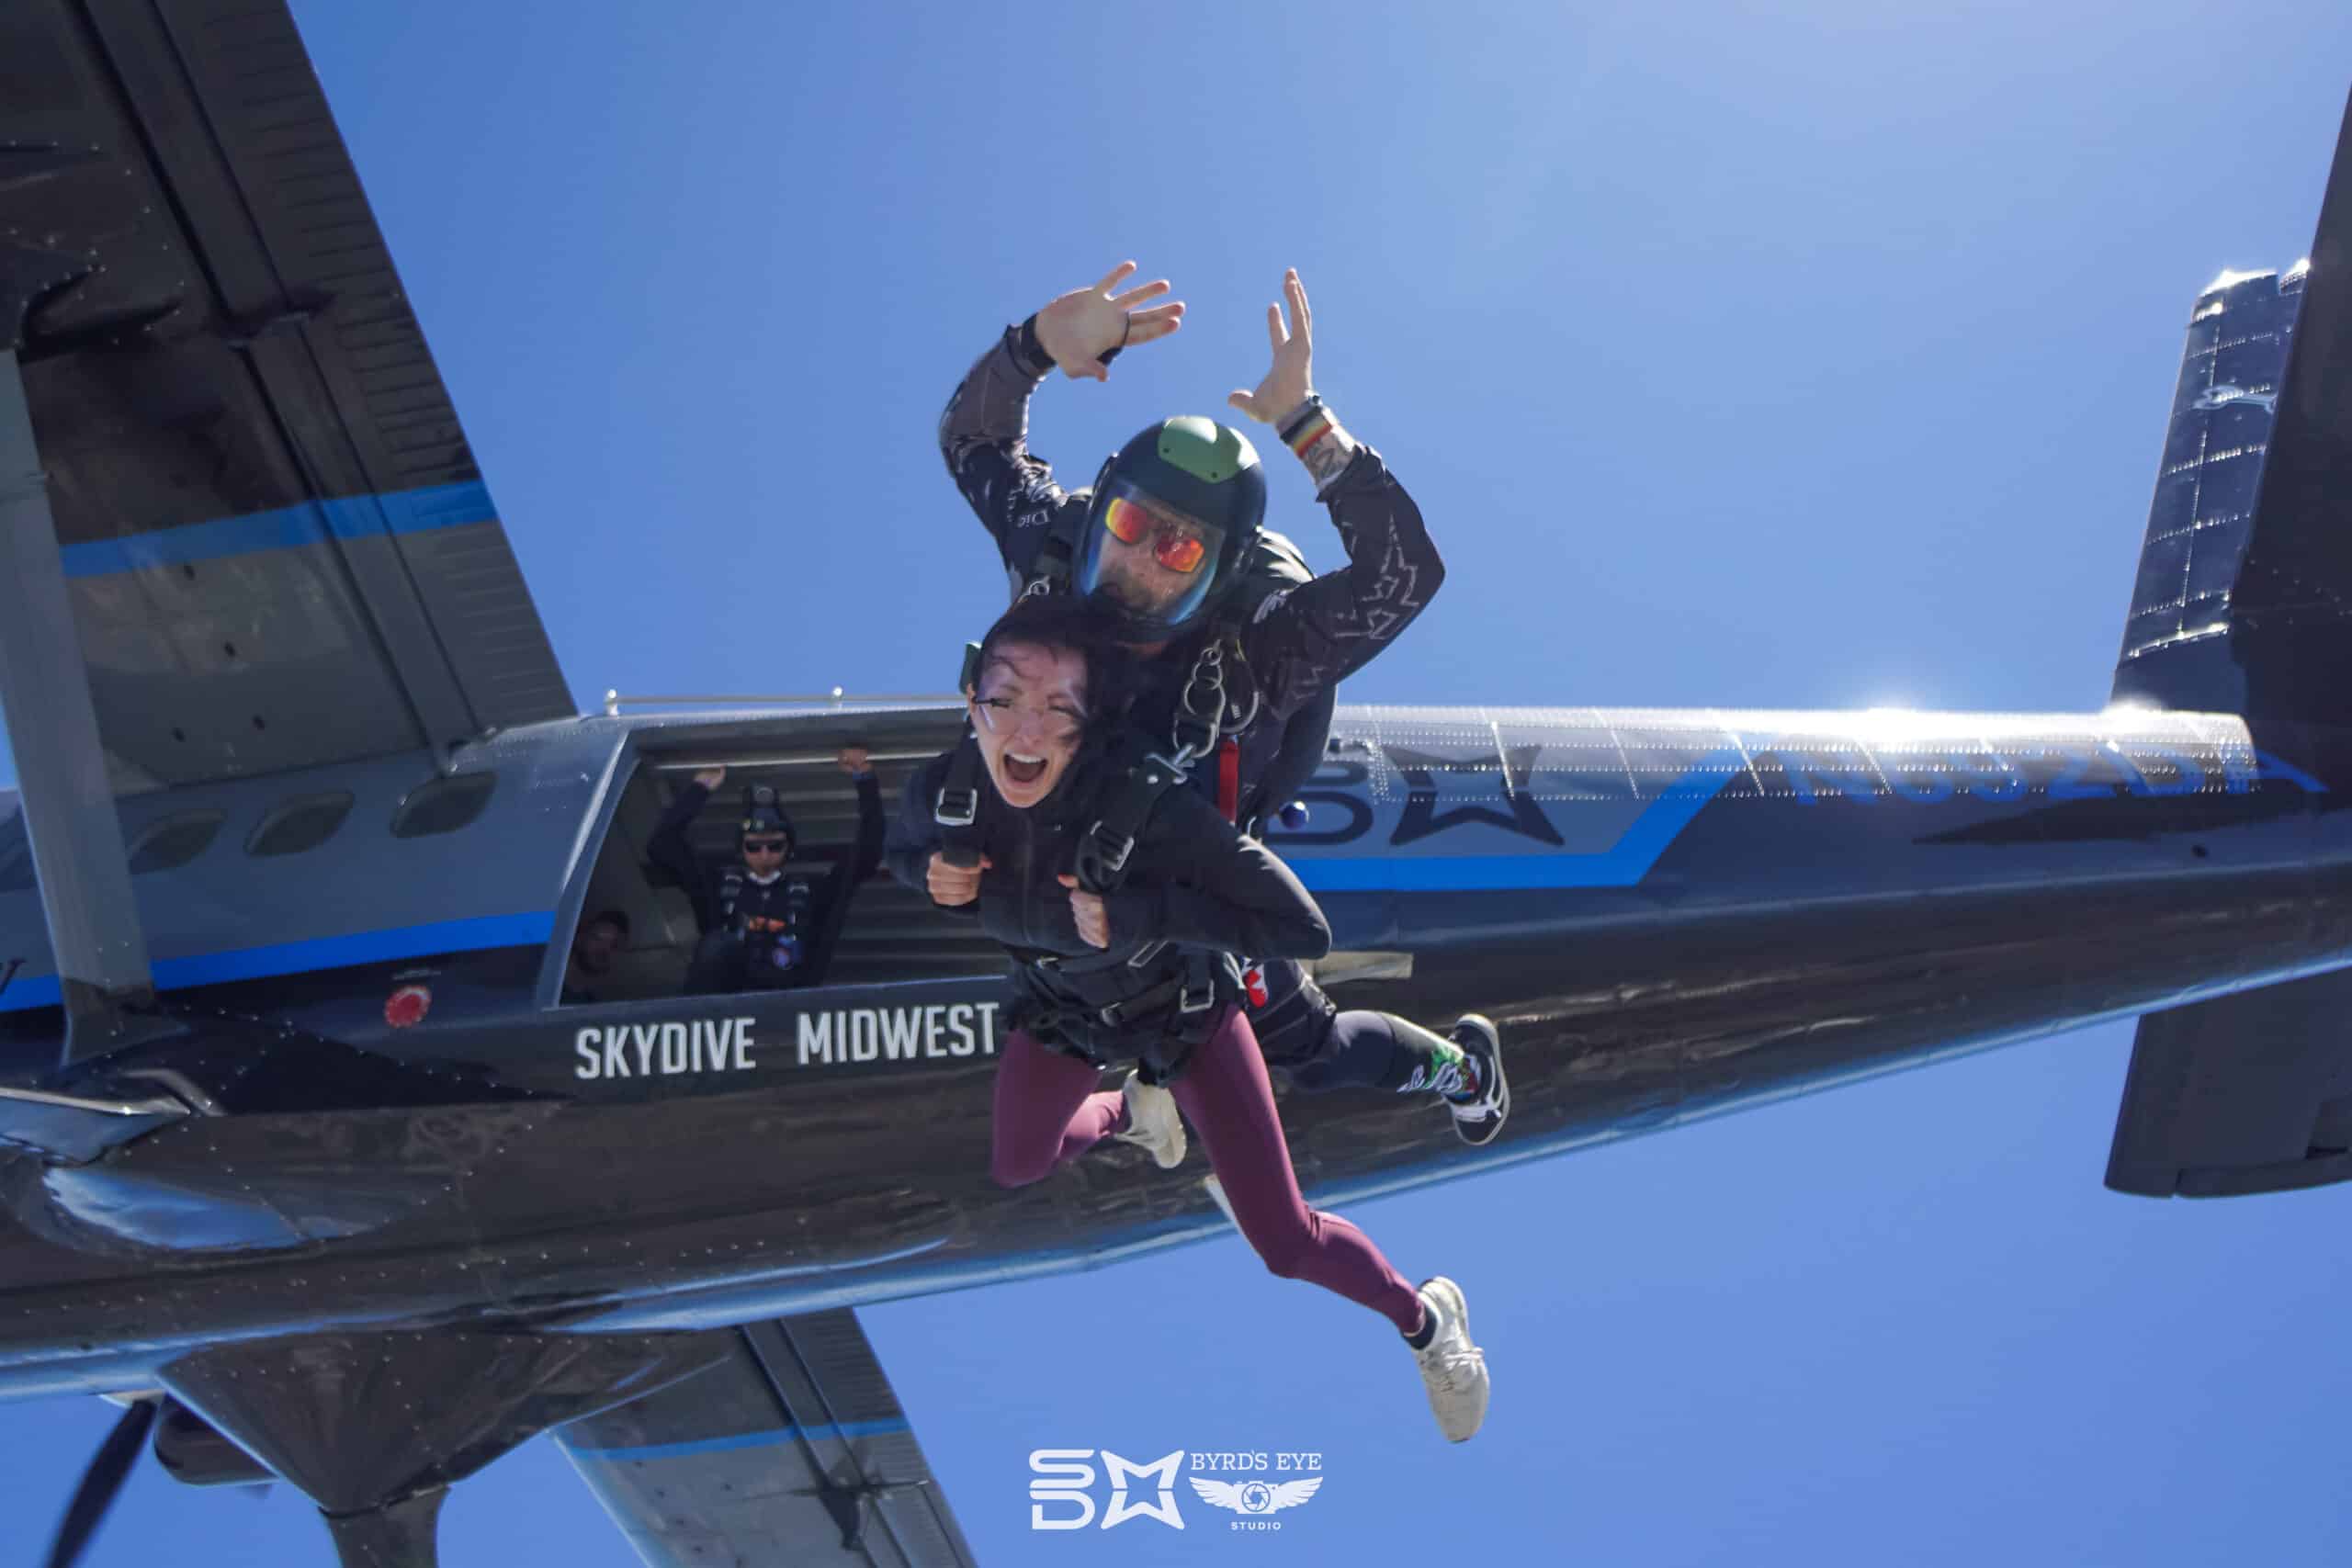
pixel 1477 789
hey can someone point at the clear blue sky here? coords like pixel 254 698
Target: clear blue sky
pixel 1805 355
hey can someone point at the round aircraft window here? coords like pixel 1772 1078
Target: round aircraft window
pixel 443 806
pixel 171 841
pixel 302 823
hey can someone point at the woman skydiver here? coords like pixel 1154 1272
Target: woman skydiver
pixel 1119 903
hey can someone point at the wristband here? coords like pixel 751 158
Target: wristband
pixel 1027 351
pixel 1318 441
pixel 1308 425
pixel 1298 418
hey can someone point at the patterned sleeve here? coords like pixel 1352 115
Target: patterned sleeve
pixel 1306 640
pixel 984 436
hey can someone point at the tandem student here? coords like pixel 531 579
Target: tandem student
pixel 1120 896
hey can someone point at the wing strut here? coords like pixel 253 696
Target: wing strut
pixel 70 819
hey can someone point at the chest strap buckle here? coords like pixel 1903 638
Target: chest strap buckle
pixel 1112 849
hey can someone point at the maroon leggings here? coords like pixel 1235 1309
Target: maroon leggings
pixel 1048 1111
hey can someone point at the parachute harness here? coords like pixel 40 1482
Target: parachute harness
pixel 1205 714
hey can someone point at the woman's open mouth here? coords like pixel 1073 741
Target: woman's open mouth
pixel 1023 770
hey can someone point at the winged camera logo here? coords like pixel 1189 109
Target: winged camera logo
pixel 1256 1496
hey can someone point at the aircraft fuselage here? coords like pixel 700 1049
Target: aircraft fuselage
pixel 1671 914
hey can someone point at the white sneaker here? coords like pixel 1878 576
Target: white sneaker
pixel 1153 1123
pixel 1454 1369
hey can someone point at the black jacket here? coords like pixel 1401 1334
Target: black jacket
pixel 1301 642
pixel 728 904
pixel 1195 890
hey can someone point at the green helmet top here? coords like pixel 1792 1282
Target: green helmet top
pixel 1210 452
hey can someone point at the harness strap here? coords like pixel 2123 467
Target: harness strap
pixel 957 807
pixel 1228 778
pixel 1192 995
pixel 1085 964
pixel 1050 567
pixel 1101 861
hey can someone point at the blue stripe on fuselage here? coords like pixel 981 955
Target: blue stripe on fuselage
pixel 531 929
pixel 1621 865
pixel 286 528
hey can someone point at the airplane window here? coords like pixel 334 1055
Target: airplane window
pixel 443 806
pixel 302 823
pixel 173 841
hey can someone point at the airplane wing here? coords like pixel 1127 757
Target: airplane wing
pixel 793 1449
pixel 280 550
pixel 2247 1093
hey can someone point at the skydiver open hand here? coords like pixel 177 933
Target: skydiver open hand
pixel 1289 383
pixel 1078 329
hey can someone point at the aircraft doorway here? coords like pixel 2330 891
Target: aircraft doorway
pixel 651 927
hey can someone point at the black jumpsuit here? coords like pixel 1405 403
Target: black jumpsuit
pixel 774 935
pixel 1296 647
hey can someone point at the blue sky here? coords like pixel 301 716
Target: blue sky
pixel 1809 355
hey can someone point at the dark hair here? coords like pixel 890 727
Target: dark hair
pixel 607 918
pixel 1067 625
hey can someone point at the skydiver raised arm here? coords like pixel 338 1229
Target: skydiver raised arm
pixel 1240 650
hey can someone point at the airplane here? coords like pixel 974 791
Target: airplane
pixel 298 1111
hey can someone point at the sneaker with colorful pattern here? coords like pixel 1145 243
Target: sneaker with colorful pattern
pixel 1483 1102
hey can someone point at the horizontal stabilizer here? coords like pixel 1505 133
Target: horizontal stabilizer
pixel 2246 1093
pixel 791 1449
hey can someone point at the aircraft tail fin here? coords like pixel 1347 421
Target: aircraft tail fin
pixel 2244 600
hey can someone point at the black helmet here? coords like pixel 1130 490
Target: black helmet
pixel 764 813
pixel 1175 512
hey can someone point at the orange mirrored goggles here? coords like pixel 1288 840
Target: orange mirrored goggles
pixel 1176 546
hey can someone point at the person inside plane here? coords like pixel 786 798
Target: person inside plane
pixel 764 928
pixel 1120 896
pixel 597 943
pixel 1241 649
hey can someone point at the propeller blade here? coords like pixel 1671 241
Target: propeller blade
pixel 100 1483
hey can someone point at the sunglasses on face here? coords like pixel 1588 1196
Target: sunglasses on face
pixel 764 846
pixel 1004 716
pixel 1174 545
